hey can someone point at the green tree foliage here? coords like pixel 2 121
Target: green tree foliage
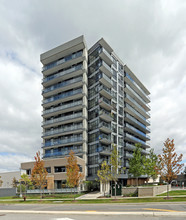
pixel 14 183
pixel 136 167
pixel 104 174
pixel 114 166
pixel 150 163
pixel 1 182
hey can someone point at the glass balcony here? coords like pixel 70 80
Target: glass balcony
pixel 105 68
pixel 129 77
pixel 62 153
pixel 133 147
pixel 63 60
pixel 62 95
pixel 64 129
pixel 105 79
pixel 137 140
pixel 65 106
pixel 63 141
pixel 105 115
pixel 137 113
pixel 129 88
pixel 136 121
pixel 62 84
pixel 63 118
pixel 62 73
pixel 137 131
pixel 139 106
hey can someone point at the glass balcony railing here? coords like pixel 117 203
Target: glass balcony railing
pixel 139 106
pixel 64 72
pixel 62 84
pixel 103 99
pixel 62 153
pixel 104 136
pixel 62 141
pixel 62 96
pixel 133 147
pixel 64 129
pixel 137 113
pixel 102 75
pixel 63 118
pixel 104 51
pixel 128 87
pixel 69 105
pixel 107 67
pixel 106 89
pixel 104 124
pixel 137 140
pixel 136 121
pixel 129 77
pixel 63 60
pixel 137 131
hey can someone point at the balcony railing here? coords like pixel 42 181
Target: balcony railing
pixel 139 106
pixel 137 140
pixel 136 121
pixel 63 141
pixel 137 131
pixel 102 75
pixel 62 84
pixel 64 129
pixel 106 89
pixel 137 113
pixel 128 87
pixel 129 77
pixel 62 153
pixel 133 147
pixel 63 118
pixel 104 136
pixel 65 106
pixel 103 99
pixel 107 66
pixel 62 73
pixel 104 51
pixel 104 124
pixel 63 60
pixel 62 95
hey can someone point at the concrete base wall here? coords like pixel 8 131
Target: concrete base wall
pixel 7 192
pixel 145 191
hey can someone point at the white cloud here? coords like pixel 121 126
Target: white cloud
pixel 147 35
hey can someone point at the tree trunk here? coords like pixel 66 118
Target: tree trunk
pixel 115 189
pixel 104 189
pixel 167 190
pixel 111 189
pixel 137 181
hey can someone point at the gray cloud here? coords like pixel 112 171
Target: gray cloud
pixel 147 35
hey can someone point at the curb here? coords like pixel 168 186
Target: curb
pixel 180 214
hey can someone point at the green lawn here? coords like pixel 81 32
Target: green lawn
pixel 175 193
pixel 70 201
pixel 46 196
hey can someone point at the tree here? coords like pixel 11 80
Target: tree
pixel 39 173
pixel 1 182
pixel 26 181
pixel 170 163
pixel 73 172
pixel 114 166
pixel 150 163
pixel 15 182
pixel 104 174
pixel 136 167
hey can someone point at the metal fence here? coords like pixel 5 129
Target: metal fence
pixel 63 190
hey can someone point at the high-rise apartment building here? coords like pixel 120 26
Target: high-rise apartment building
pixel 92 100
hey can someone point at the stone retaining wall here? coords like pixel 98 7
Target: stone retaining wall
pixel 145 191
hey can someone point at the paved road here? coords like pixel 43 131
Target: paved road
pixel 84 217
pixel 137 207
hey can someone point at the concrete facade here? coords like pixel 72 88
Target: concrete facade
pixel 7 178
pixel 56 171
pixel 91 101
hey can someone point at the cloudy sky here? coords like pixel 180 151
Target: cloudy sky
pixel 148 35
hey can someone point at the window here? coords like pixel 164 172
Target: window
pixel 60 169
pixel 28 172
pixel 48 169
